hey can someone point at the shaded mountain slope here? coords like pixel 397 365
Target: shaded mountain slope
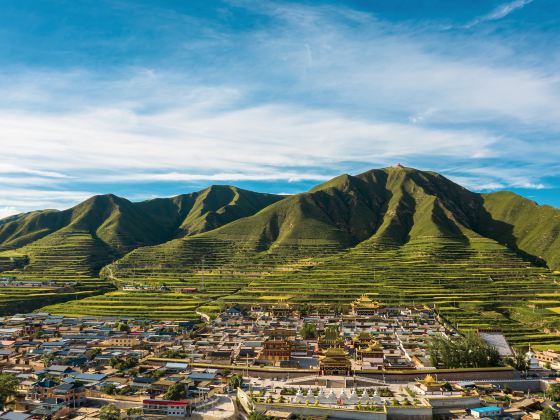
pixel 392 206
pixel 522 224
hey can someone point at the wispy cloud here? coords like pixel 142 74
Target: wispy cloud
pixel 500 12
pixel 16 200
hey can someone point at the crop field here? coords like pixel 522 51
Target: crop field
pixel 473 284
pixel 60 264
pixel 152 305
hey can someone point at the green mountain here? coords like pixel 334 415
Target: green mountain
pixel 399 234
pixel 524 225
pixel 394 205
pixel 81 240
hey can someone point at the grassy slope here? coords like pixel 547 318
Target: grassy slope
pixel 111 226
pixel 525 225
pixel 392 205
pixel 74 244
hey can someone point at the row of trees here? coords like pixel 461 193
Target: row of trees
pixel 465 352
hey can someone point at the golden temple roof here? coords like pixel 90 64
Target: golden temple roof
pixel 373 345
pixel 429 380
pixel 335 356
pixel 365 301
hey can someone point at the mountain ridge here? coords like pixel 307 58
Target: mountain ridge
pixel 393 205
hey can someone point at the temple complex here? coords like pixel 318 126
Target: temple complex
pixel 372 354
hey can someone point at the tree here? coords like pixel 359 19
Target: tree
pixel 308 331
pixel 553 392
pixel 331 332
pixel 8 388
pixel 518 361
pixel 549 414
pixel 176 392
pixel 304 309
pixel 466 352
pixel 134 411
pixel 47 358
pixel 123 326
pixel 109 389
pixel 123 364
pixel 93 353
pixel 236 381
pixel 110 412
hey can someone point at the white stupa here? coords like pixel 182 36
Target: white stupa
pixel 353 397
pixel 532 361
pixel 376 398
pixel 299 396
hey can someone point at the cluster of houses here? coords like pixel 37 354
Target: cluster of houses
pixel 154 288
pixel 372 337
pixel 13 282
pixel 62 364
pixel 293 361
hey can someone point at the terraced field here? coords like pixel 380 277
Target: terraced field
pixel 149 305
pixel 474 284
pixel 70 260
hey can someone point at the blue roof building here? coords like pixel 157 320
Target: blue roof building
pixel 484 412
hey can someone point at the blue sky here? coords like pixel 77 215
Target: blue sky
pixel 157 98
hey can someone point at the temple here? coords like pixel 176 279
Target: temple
pixel 276 350
pixel 364 306
pixel 371 355
pixel 330 339
pixel 335 361
pixel 429 384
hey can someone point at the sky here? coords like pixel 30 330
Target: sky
pixel 151 98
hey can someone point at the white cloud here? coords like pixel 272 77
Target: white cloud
pixel 244 142
pixel 297 103
pixel 489 178
pixel 220 177
pixel 7 211
pixel 500 12
pixel 16 200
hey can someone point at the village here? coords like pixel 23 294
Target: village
pixel 274 361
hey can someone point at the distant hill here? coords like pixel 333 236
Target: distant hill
pixel 393 205
pixel 105 227
pixel 400 234
pixel 396 206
